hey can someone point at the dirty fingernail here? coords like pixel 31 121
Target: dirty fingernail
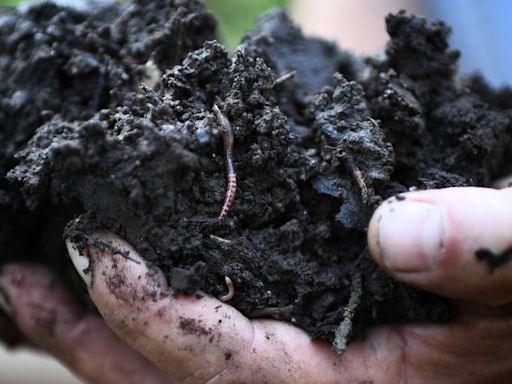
pixel 411 236
pixel 4 303
pixel 81 262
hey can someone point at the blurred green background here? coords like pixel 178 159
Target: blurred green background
pixel 238 16
pixel 235 16
pixel 9 2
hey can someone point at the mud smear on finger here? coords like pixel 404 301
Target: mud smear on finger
pixel 494 260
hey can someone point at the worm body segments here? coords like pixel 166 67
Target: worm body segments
pixel 227 135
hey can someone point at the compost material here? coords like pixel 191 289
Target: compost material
pixel 107 123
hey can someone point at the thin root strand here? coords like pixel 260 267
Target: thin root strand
pixel 220 239
pixel 342 333
pixel 284 78
pixel 358 176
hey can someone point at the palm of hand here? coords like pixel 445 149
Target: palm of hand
pixel 194 340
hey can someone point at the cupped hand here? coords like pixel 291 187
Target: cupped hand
pixel 454 242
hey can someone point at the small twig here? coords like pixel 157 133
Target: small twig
pixel 364 253
pixel 342 333
pixel 231 290
pixel 361 183
pixel 284 78
pixel 227 134
pixel 220 239
pixel 372 120
pixel 358 176
pixel 104 246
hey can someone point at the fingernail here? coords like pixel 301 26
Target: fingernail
pixel 4 303
pixel 81 262
pixel 411 236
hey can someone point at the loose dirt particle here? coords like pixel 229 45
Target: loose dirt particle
pixel 192 326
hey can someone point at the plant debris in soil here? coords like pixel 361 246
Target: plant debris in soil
pixel 107 123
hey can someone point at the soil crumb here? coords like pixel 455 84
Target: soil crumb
pixel 107 123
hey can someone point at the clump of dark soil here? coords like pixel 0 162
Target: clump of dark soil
pixel 87 146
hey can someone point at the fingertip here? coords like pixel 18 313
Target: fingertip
pixel 81 261
pixel 101 251
pixel 452 242
pixel 115 272
pixel 373 235
pixel 407 235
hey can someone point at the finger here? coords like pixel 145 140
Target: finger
pixel 186 331
pixel 50 320
pixel 455 242
pixel 469 349
pixel 200 339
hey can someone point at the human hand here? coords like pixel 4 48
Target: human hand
pixel 36 311
pixel 206 341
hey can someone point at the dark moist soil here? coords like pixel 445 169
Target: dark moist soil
pixel 85 147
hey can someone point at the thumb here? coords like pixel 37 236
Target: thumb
pixel 456 242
